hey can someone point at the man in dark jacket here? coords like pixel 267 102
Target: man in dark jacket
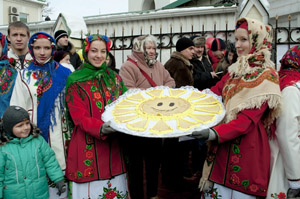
pixel 203 74
pixel 64 44
pixel 179 65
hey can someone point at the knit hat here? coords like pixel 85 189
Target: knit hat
pixel 12 116
pixel 199 40
pixel 218 44
pixel 183 43
pixel 60 33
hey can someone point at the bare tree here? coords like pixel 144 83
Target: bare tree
pixel 47 10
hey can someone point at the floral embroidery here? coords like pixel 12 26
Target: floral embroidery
pixel 79 174
pixel 12 61
pixel 97 95
pixel 245 183
pixel 89 172
pixel 6 77
pixel 254 75
pixel 87 162
pixel 235 85
pixel 235 168
pixel 89 155
pixel 93 88
pixel 234 179
pixel 281 195
pixel 99 104
pixel 235 159
pixel 253 188
pixel 112 193
pixel 34 75
pixel 4 86
pixel 215 194
pixel 42 83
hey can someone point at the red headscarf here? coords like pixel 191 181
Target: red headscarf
pixel 290 67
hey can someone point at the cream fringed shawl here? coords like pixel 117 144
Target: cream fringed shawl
pixel 253 79
pixel 251 91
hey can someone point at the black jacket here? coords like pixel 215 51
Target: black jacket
pixel 201 73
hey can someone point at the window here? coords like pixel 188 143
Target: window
pixel 23 17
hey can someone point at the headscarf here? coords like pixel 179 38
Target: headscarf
pixel 4 49
pixel 139 44
pixel 290 67
pixel 7 77
pixel 253 79
pixel 88 72
pixel 50 80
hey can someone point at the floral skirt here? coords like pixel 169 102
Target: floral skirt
pixel 223 192
pixel 115 187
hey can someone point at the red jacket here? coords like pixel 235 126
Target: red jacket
pixel 242 159
pixel 91 156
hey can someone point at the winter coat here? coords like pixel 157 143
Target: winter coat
pixel 74 57
pixel 91 155
pixel 180 69
pixel 242 156
pixel 133 78
pixel 202 73
pixel 24 164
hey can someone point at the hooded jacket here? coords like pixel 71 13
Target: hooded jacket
pixel 24 164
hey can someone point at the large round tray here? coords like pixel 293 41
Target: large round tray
pixel 163 112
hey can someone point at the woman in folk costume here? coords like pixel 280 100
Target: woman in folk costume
pixel 95 162
pixel 240 152
pixel 285 147
pixel 39 89
pixel 7 76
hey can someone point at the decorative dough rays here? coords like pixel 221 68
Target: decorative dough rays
pixel 162 111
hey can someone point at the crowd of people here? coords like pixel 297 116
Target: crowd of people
pixel 53 143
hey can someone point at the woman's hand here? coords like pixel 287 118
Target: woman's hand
pixel 206 134
pixel 106 129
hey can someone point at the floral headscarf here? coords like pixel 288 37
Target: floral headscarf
pixel 50 80
pixel 4 47
pixel 39 35
pixel 88 71
pixel 260 38
pixel 253 80
pixel 88 41
pixel 290 67
pixel 7 77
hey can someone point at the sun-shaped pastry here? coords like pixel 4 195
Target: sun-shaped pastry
pixel 164 112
